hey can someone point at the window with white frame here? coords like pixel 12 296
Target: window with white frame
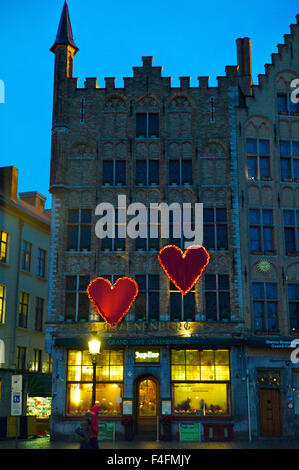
pixel 182 307
pixel 261 231
pixel 258 159
pixel 118 242
pixel 151 228
pixel 291 231
pixel 217 297
pixel 265 306
pixel 180 172
pixel 147 172
pixel 289 160
pixel 215 228
pixel 285 105
pixel 114 172
pixel 147 303
pixel 147 125
pixel 79 230
pixel 76 298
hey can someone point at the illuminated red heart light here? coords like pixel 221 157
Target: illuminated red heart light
pixel 184 269
pixel 112 302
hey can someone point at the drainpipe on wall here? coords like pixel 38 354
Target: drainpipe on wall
pixel 248 405
pixel 14 336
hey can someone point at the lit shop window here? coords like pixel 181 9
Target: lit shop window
pixel 201 397
pixel 109 377
pixel 206 365
pixel 39 406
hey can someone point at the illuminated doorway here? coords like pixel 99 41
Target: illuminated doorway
pixel 147 407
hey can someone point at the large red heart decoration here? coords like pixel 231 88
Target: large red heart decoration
pixel 112 302
pixel 184 269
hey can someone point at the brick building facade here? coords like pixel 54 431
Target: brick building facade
pixel 154 143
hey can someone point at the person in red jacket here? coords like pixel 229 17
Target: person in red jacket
pixel 94 426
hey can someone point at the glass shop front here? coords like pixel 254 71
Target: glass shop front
pixel 199 383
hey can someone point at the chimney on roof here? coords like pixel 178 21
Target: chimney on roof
pixel 244 64
pixel 9 181
pixel 35 199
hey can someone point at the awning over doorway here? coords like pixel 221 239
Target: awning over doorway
pixel 39 385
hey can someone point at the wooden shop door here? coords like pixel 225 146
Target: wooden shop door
pixel 147 408
pixel 270 412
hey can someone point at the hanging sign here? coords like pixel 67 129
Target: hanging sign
pixel 16 383
pixel 184 269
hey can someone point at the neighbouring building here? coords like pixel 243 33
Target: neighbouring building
pixel 267 143
pixel 195 356
pixel 24 250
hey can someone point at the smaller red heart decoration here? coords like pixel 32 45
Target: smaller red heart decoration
pixel 112 302
pixel 184 269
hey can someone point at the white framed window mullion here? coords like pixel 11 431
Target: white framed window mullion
pixel 146 296
pixel 79 229
pixel 217 297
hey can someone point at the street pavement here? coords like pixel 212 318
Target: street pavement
pixel 45 443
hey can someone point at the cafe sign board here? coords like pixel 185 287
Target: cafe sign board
pixel 189 432
pixel 147 355
pixel 106 431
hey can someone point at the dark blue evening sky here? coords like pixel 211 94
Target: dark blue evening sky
pixel 186 38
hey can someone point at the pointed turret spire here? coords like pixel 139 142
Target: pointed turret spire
pixel 64 34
